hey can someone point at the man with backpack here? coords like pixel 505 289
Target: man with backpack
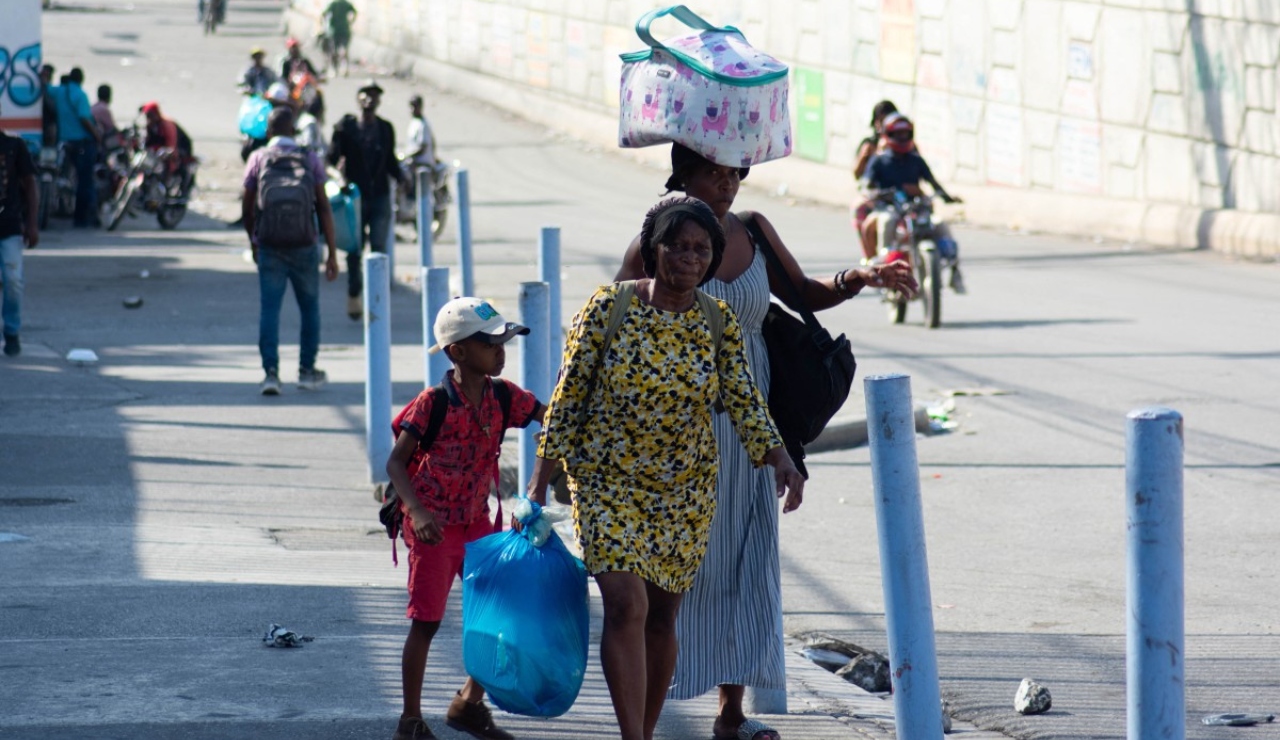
pixel 283 197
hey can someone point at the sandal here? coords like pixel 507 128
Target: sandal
pixel 752 729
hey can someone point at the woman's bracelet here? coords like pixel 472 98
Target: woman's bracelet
pixel 842 288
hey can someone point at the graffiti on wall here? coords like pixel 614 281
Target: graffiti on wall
pixel 20 68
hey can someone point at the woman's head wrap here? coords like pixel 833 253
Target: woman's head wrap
pixel 684 159
pixel 663 222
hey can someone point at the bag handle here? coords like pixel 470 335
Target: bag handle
pixel 680 13
pixel 762 243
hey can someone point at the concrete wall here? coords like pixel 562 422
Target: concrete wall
pixel 1151 120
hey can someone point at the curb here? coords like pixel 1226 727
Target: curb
pixel 846 433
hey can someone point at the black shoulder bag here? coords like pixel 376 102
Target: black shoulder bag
pixel 810 373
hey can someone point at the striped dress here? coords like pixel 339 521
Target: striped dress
pixel 730 623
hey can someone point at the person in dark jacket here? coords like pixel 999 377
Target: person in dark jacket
pixel 364 149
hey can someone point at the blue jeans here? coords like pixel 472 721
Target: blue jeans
pixel 277 268
pixel 376 213
pixel 11 274
pixel 85 153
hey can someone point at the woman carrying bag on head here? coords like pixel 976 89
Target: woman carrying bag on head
pixel 730 625
pixel 631 416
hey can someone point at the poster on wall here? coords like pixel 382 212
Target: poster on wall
pixel 20 69
pixel 811 115
pixel 538 49
pixel 1080 156
pixel 1004 145
pixel 898 40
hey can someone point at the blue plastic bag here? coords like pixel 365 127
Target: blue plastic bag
pixel 524 620
pixel 344 203
pixel 254 111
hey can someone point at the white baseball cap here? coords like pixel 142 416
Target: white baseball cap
pixel 463 318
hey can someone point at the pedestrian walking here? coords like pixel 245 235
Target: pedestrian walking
pixel 77 129
pixel 446 491
pixel 364 149
pixel 283 197
pixel 18 219
pixel 632 419
pixel 730 626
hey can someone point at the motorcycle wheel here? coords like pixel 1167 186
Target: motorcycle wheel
pixel 46 203
pixel 122 202
pixel 929 274
pixel 66 196
pixel 170 216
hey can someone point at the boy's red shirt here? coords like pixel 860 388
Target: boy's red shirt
pixel 454 478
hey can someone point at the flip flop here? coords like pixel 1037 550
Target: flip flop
pixel 753 729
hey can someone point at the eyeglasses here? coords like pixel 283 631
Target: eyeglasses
pixel 901 135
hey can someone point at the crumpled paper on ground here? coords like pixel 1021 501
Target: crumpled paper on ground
pixel 278 636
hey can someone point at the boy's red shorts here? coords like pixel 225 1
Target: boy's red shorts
pixel 432 568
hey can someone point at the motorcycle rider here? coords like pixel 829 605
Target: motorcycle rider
pixel 307 134
pixel 422 155
pixel 900 167
pixel 164 133
pixel 257 77
pixel 304 81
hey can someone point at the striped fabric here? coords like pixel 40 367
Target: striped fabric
pixel 730 623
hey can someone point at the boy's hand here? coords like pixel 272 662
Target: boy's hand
pixel 424 524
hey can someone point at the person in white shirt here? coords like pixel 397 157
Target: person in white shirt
pixel 421 139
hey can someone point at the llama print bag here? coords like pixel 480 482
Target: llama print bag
pixel 709 90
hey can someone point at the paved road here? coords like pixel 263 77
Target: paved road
pixel 171 513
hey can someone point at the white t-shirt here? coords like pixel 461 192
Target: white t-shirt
pixel 420 137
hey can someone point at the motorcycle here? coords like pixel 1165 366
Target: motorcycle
pixel 151 186
pixel 56 172
pixel 406 197
pixel 909 232
pixel 113 167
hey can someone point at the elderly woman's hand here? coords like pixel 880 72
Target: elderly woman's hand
pixel 790 482
pixel 894 275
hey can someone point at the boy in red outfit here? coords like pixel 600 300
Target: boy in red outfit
pixel 451 483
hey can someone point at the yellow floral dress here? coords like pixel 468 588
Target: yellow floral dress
pixel 639 451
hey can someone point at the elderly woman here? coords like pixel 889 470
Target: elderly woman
pixel 633 422
pixel 737 595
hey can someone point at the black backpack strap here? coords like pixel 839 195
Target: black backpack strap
pixel 502 392
pixel 439 407
pixel 763 244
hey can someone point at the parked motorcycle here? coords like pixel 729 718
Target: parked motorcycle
pixel 56 172
pixel 114 165
pixel 153 188
pixel 407 201
pixel 910 233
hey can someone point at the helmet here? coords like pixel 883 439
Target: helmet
pixel 290 42
pixel 278 93
pixel 899 133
